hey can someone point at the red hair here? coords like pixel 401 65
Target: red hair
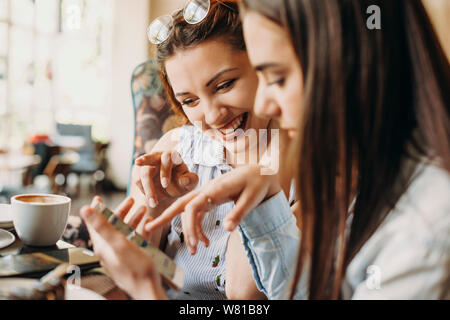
pixel 221 22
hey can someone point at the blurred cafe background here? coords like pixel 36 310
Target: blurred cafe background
pixel 67 97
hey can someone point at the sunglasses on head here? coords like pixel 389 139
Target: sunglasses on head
pixel 195 11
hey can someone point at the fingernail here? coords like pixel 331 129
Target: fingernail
pixel 152 203
pixel 87 213
pixel 164 182
pixel 192 241
pixel 184 181
pixel 176 158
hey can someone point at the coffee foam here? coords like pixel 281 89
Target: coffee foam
pixel 39 199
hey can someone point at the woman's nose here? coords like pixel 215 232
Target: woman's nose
pixel 213 114
pixel 265 106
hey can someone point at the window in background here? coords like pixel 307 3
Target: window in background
pixel 83 65
pixel 3 56
pixel 55 64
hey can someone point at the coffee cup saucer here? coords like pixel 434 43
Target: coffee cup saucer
pixel 6 219
pixel 6 238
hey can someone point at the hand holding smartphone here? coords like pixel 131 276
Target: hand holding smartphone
pixel 171 273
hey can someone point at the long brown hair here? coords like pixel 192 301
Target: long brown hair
pixel 222 22
pixel 370 97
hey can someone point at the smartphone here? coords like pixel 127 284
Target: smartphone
pixel 171 273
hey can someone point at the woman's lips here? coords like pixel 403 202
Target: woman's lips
pixel 232 125
pixel 229 131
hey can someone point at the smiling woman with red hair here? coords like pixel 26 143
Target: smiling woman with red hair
pixel 210 82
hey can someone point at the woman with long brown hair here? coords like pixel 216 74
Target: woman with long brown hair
pixel 367 111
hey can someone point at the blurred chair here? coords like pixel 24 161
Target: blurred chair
pixel 58 169
pixel 87 162
pixel 45 150
pixel 153 115
pixel 92 155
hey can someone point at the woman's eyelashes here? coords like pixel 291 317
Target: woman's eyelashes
pixel 225 85
pixel 221 88
pixel 279 82
pixel 271 78
pixel 188 102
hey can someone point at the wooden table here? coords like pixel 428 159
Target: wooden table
pixel 18 161
pixel 13 163
pixel 95 279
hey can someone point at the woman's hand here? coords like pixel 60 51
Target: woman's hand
pixel 126 263
pixel 246 185
pixel 164 176
pixel 135 220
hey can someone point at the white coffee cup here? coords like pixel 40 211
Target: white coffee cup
pixel 40 219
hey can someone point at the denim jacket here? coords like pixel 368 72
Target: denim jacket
pixel 271 239
pixel 407 257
